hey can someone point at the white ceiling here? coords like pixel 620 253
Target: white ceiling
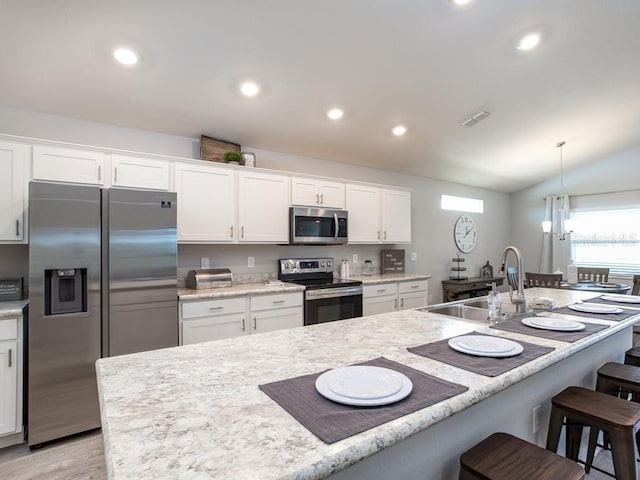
pixel 423 63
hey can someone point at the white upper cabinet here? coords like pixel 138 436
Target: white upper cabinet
pixel 378 215
pixel 138 172
pixel 363 205
pixel 12 192
pixel 315 192
pixel 68 165
pixel 263 207
pixel 206 203
pixel 395 216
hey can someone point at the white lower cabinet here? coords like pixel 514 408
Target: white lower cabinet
pixel 206 320
pixel 394 296
pixel 10 382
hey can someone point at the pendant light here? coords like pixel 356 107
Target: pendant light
pixel 563 225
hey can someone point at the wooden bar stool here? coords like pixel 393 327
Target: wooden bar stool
pixel 504 457
pixel 582 407
pixel 632 356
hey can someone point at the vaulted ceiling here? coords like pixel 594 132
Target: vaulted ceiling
pixel 428 65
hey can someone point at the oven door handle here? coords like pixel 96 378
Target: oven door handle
pixel 333 293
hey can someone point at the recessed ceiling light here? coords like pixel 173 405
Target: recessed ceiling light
pixel 126 56
pixel 399 130
pixel 529 41
pixel 249 89
pixel 335 113
pixel 460 2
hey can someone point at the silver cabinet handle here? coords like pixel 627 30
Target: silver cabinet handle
pixel 17 227
pixel 215 308
pixel 317 198
pixel 255 323
pixel 10 358
pixel 395 303
pixel 115 175
pixel 385 234
pixel 278 301
pixel 415 286
pixel 231 231
pixel 241 232
pixel 382 290
pixel 99 172
pixel 378 234
pixel 402 302
pixel 322 199
pixel 243 324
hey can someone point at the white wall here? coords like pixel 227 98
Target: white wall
pixel 432 228
pixel 616 173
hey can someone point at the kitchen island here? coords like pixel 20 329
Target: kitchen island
pixel 196 412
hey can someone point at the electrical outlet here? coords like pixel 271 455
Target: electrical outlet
pixel 251 262
pixel 414 256
pixel 536 419
pixel 355 258
pixel 204 262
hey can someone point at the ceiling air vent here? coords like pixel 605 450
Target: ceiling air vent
pixel 475 118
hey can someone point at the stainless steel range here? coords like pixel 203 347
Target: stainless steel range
pixel 326 298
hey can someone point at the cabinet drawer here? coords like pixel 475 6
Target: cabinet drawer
pixel 8 329
pixel 208 308
pixel 379 289
pixel 416 286
pixel 281 300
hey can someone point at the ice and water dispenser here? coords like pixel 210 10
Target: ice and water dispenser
pixel 65 291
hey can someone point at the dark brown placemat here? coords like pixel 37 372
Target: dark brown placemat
pixel 488 366
pixel 599 299
pixel 516 325
pixel 613 317
pixel 331 421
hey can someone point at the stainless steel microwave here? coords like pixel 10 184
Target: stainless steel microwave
pixel 317 226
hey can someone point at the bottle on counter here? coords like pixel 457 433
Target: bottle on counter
pixel 493 304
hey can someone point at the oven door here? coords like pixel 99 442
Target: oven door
pixel 317 226
pixel 331 304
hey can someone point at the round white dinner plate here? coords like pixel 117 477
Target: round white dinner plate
pixel 594 308
pixel 485 346
pixel 364 385
pixel 612 297
pixel 553 323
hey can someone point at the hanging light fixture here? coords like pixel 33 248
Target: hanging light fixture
pixel 563 224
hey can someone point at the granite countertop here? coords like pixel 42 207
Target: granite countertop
pixel 238 290
pixel 195 411
pixel 389 277
pixel 12 309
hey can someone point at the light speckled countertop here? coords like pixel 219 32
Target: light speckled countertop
pixel 195 412
pixel 240 289
pixel 12 309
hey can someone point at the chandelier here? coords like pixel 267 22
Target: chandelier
pixel 560 225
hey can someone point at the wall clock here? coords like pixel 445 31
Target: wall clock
pixel 465 233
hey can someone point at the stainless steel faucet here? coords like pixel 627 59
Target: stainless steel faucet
pixel 517 298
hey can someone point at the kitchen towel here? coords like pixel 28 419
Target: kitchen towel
pixel 515 325
pixel 612 317
pixel 488 366
pixel 331 421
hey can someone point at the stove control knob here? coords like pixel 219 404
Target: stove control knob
pixel 328 264
pixel 322 264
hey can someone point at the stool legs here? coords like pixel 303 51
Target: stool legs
pixel 624 459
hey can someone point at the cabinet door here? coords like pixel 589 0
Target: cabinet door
pixel 381 304
pixel 276 319
pixel 331 194
pixel 206 203
pixel 217 327
pixel 396 216
pixel 67 165
pixel 8 387
pixel 363 205
pixel 304 191
pixel 413 300
pixel 263 208
pixel 12 198
pixel 137 172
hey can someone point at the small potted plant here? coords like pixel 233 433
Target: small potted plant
pixel 232 158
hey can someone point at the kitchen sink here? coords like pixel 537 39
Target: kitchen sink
pixel 475 309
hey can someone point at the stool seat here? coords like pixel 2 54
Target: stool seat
pixel 622 375
pixel 632 356
pixel 504 457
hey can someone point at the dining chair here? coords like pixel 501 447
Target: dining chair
pixel 545 280
pixel 588 274
pixel 512 277
pixel 635 289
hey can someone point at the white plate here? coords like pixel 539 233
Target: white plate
pixel 612 297
pixel 485 346
pixel 553 323
pixel 364 385
pixel 594 308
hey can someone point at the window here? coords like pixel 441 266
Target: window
pixel 461 204
pixel 607 238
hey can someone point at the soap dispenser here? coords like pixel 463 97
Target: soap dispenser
pixel 493 304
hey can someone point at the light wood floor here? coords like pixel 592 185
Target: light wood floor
pixel 82 458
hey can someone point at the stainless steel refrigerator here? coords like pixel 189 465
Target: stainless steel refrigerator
pixel 102 282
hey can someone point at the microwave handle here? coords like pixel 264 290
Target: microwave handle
pixel 335 225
